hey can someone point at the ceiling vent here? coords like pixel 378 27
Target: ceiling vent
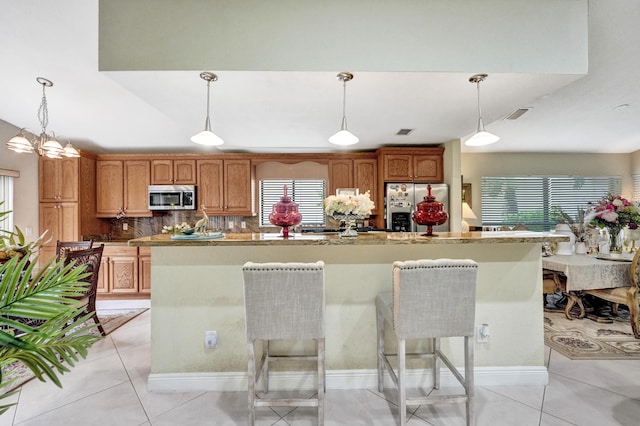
pixel 404 132
pixel 517 113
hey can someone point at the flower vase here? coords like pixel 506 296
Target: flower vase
pixel 614 243
pixel 348 220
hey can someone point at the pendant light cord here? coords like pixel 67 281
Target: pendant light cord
pixel 344 105
pixel 207 122
pixel 480 122
pixel 43 112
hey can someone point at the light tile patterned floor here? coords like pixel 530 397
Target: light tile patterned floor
pixel 109 388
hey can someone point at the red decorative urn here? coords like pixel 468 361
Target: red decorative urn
pixel 285 214
pixel 430 212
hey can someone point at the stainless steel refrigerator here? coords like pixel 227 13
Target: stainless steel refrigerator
pixel 401 200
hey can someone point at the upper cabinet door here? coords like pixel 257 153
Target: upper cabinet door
pixel 109 188
pixel 173 172
pixel 58 179
pixel 428 168
pixel 340 175
pixel 398 168
pixel 161 172
pixel 365 178
pixel 184 172
pixel 238 188
pixel 210 185
pixel 137 178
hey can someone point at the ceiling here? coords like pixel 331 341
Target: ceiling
pixel 147 111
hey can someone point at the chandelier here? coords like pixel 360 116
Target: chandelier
pixel 46 144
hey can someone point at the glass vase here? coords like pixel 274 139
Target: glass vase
pixel 349 220
pixel 614 242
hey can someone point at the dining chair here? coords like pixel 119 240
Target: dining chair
pixel 64 247
pixel 628 295
pixel 284 301
pixel 91 258
pixel 430 299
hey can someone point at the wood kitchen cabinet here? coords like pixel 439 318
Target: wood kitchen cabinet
pixel 144 270
pixel 122 187
pixel 412 164
pixel 67 189
pixel 226 187
pixel 361 173
pixel 173 172
pixel 340 175
pixel 58 179
pixel 119 271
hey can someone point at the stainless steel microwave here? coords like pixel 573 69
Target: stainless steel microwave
pixel 172 197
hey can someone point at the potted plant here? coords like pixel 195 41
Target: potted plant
pixel 37 311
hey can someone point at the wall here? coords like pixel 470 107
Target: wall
pixel 474 166
pixel 25 204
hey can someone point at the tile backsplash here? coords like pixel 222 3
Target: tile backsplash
pixel 144 226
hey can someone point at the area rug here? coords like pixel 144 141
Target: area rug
pixel 111 320
pixel 588 339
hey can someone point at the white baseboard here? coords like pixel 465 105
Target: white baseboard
pixel 342 379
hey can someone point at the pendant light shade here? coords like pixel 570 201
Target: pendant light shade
pixel 344 136
pixel 481 137
pixel 207 137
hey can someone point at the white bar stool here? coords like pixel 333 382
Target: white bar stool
pixel 284 301
pixel 430 299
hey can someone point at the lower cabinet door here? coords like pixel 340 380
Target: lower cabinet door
pixel 123 274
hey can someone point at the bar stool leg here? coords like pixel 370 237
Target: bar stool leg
pixel 265 367
pixel 402 385
pixel 251 382
pixel 436 363
pixel 321 380
pixel 469 377
pixel 380 327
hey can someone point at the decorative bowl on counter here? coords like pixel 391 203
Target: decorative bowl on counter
pixel 430 212
pixel 285 214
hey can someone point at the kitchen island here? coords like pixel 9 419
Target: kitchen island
pixel 197 287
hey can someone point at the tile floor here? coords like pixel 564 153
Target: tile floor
pixel 109 388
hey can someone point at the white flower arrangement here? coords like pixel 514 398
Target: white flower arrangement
pixel 176 229
pixel 358 205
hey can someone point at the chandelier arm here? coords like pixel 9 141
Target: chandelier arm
pixel 43 111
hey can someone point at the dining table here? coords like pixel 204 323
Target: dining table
pixel 587 272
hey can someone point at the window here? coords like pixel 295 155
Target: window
pixel 6 197
pixel 529 199
pixel 308 193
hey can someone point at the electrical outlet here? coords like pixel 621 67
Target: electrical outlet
pixel 231 224
pixel 29 231
pixel 125 226
pixel 482 333
pixel 243 225
pixel 210 339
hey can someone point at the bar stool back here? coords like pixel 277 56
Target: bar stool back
pixel 284 301
pixel 430 299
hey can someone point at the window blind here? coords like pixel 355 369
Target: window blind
pixel 530 200
pixel 6 197
pixel 308 193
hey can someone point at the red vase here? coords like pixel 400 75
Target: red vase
pixel 430 212
pixel 285 214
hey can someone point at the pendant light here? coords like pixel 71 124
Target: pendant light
pixel 344 136
pixel 481 137
pixel 45 145
pixel 207 137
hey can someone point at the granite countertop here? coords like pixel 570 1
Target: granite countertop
pixel 369 238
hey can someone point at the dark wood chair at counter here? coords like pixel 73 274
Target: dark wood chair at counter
pixel 284 301
pixel 91 258
pixel 430 299
pixel 64 247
